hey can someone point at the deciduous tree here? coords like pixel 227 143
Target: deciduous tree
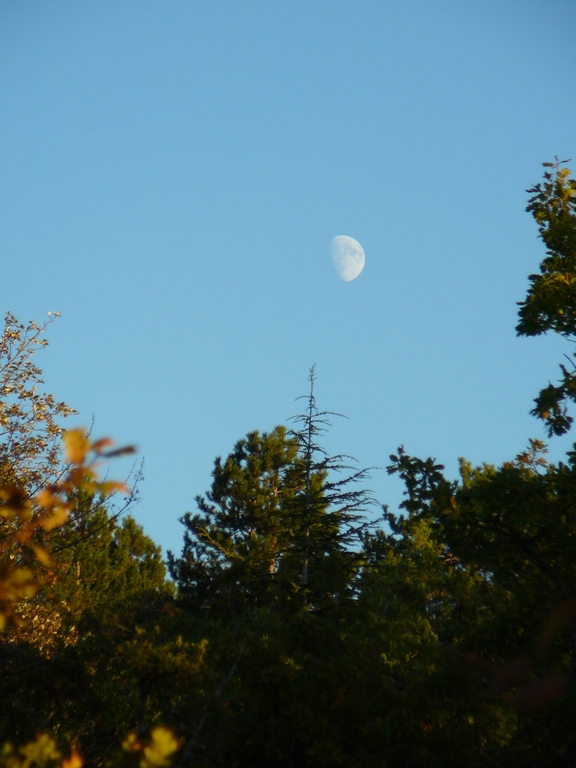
pixel 550 304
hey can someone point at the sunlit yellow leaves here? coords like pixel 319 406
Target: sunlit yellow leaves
pixel 41 753
pixel 110 486
pixel 30 518
pixel 131 743
pixel 29 419
pixel 155 752
pixel 76 446
pixel 74 761
pixel 41 555
pixel 56 519
pixel 15 584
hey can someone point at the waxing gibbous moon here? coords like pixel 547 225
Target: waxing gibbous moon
pixel 348 257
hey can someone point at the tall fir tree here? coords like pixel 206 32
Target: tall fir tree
pixel 269 573
pixel 277 517
pixel 330 510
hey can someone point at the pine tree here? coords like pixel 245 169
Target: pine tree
pixel 235 546
pixel 269 573
pixel 330 511
pixel 276 520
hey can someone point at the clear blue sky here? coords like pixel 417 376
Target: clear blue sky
pixel 173 174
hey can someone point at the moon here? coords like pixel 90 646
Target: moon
pixel 348 257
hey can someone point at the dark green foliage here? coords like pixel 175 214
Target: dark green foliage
pixel 269 572
pixel 237 547
pixel 508 534
pixel 107 580
pixel 102 560
pixel 300 635
pixel 275 523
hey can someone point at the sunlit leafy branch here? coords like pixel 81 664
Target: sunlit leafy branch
pixel 550 304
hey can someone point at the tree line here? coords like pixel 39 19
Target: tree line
pixel 295 627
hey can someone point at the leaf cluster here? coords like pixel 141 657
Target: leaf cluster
pixel 550 304
pixel 29 419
